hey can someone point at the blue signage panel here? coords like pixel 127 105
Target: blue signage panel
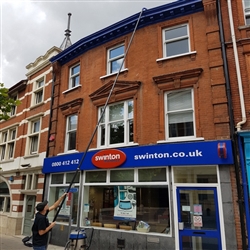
pixel 189 153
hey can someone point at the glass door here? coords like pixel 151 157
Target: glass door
pixel 198 219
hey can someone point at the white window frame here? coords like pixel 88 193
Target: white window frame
pixel 106 123
pixel 69 131
pixel 38 93
pixel 176 39
pixel 72 77
pixel 13 108
pixel 179 138
pixel 113 59
pixel 6 200
pixel 246 11
pixel 34 136
pixel 7 144
pixel 31 181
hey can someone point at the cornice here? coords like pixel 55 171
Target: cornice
pixel 149 17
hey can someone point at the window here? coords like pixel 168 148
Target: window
pixel 176 41
pixel 13 108
pixel 138 192
pixel 4 197
pixel 116 125
pixel 74 78
pixel 58 186
pixel 179 114
pixel 31 181
pixel 115 58
pixel 71 127
pixel 38 91
pixel 7 144
pixel 246 5
pixel 33 137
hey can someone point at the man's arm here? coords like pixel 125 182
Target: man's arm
pixel 57 203
pixel 46 230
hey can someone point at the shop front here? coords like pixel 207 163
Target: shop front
pixel 179 192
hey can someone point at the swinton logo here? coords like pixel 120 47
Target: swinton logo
pixel 108 158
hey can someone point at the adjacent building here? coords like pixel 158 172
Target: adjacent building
pixel 235 16
pixel 23 146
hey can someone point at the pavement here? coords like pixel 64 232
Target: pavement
pixel 14 242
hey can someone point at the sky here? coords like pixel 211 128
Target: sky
pixel 29 28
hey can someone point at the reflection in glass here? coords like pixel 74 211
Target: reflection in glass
pixel 197 174
pixel 201 243
pixel 198 203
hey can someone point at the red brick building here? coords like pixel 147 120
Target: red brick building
pixel 160 150
pixel 23 146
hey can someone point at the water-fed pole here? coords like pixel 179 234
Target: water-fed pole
pixel 96 127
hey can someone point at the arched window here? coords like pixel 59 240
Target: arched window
pixel 4 196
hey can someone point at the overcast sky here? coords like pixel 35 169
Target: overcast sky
pixel 28 29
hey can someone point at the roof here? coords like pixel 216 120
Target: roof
pixel 149 16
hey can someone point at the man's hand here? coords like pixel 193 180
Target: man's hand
pixel 52 224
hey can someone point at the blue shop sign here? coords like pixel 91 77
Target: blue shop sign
pixel 189 153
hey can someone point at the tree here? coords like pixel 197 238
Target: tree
pixel 6 103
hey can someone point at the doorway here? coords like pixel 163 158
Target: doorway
pixel 198 218
pixel 29 214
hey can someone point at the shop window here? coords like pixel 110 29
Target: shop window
pixel 38 91
pixel 57 178
pixel 96 176
pixel 179 114
pixel 70 176
pixel 116 125
pixel 150 204
pixel 115 58
pixel 4 197
pixel 7 144
pixel 58 186
pixel 122 175
pixel 246 4
pixel 152 175
pixel 74 77
pixel 197 174
pixel 71 128
pixel 176 41
pixel 34 136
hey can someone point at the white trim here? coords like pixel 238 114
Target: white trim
pixel 68 90
pixel 176 56
pixel 115 73
pixel 181 139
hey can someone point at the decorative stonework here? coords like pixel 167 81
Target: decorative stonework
pixel 71 107
pixel 178 80
pixel 122 90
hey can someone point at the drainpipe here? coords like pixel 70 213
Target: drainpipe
pixel 236 58
pixel 232 129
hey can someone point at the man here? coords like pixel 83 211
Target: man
pixel 41 226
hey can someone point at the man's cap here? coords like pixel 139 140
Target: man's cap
pixel 41 206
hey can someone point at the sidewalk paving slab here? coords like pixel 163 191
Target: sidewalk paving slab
pixel 14 242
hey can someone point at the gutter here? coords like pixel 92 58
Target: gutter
pixel 236 58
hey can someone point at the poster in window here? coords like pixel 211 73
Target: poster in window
pixel 124 203
pixel 197 209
